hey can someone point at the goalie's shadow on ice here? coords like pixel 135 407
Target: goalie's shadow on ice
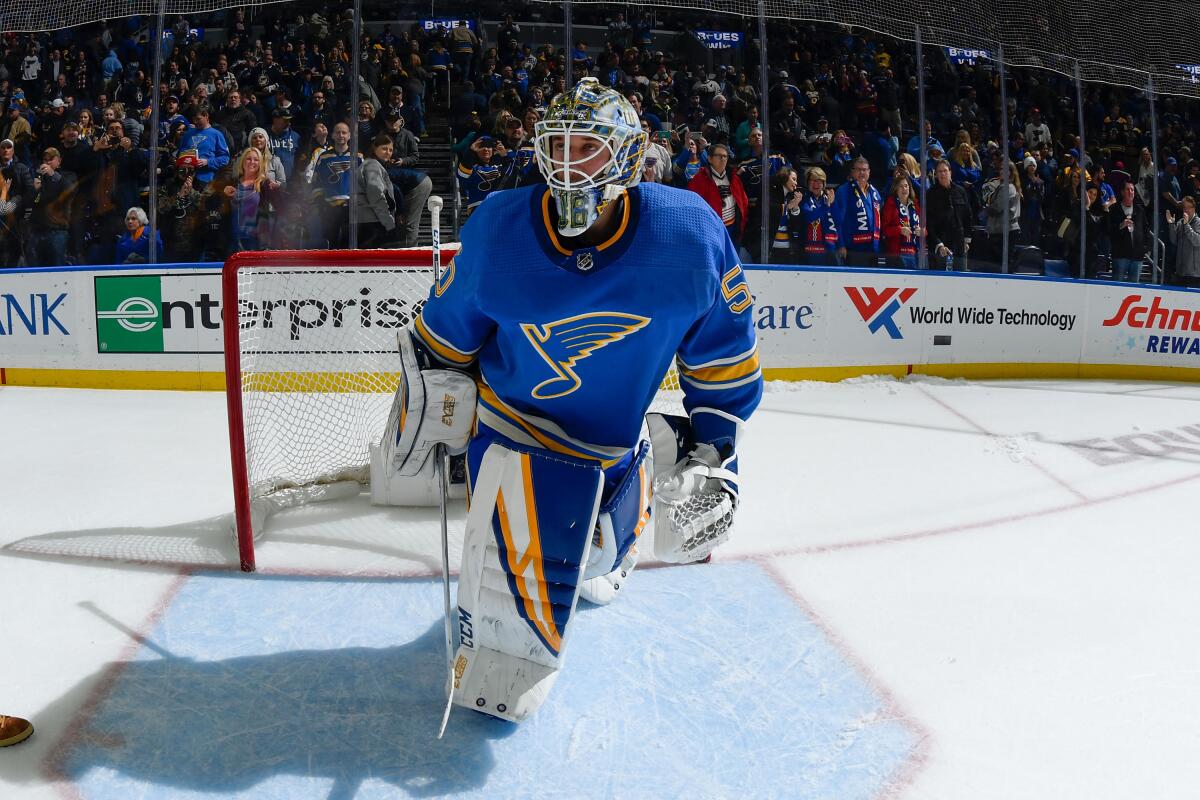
pixel 343 715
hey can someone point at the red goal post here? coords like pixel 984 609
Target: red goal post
pixel 311 368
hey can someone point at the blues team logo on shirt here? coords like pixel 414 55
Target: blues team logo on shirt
pixel 564 343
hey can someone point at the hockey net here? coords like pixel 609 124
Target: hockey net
pixel 311 368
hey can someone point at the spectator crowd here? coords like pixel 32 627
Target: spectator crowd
pixel 253 148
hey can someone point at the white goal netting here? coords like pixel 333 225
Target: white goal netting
pixel 312 368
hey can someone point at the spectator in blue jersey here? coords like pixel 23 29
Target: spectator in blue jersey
pixel 812 231
pixel 332 174
pixel 477 175
pixel 722 189
pixel 913 148
pixel 437 62
pixel 134 246
pixel 856 212
pixel 515 157
pixel 285 142
pixel 208 144
pixel 880 148
pixel 749 169
pixel 691 159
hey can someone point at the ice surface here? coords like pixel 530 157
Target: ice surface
pixel 986 589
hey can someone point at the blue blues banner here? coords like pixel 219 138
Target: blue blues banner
pixel 1191 69
pixel 964 55
pixel 719 40
pixel 446 22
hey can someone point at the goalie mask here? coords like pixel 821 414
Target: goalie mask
pixel 590 147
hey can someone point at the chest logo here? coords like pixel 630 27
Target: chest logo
pixel 562 344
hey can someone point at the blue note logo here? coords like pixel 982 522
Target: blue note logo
pixel 564 343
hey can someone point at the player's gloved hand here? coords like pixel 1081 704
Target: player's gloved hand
pixel 694 505
pixel 431 407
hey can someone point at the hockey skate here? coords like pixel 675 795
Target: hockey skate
pixel 603 589
pixel 14 730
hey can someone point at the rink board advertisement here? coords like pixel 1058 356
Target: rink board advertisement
pixel 162 327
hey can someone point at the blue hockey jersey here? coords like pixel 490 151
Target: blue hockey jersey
pixel 572 346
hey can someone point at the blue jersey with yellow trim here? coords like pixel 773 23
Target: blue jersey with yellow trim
pixel 479 180
pixel 572 346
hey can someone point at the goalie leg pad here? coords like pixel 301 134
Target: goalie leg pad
pixel 527 538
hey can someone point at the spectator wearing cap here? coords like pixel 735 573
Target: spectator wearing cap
pixel 181 212
pixel 284 141
pixel 857 207
pixel 722 189
pixel 412 186
pixel 1033 198
pixel 478 175
pixel 913 148
pixel 208 144
pixel 817 142
pixel 273 171
pixel 17 129
pixel 134 245
pixel 53 191
pixel 50 125
pixel 1169 189
pixel 1037 132
pixel 235 117
pixel 414 117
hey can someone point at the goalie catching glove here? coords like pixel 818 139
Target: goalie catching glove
pixel 432 406
pixel 694 496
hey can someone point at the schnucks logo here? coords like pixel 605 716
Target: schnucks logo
pixel 878 307
pixel 1154 315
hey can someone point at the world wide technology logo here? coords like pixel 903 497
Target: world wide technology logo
pixel 878 307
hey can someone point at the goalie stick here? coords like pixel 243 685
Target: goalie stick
pixel 443 478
